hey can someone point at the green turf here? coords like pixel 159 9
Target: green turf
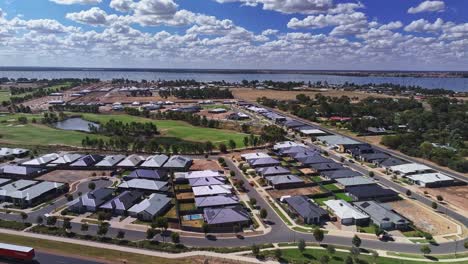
pixel 4 95
pixel 320 201
pixel 344 197
pixel 331 187
pixel 178 129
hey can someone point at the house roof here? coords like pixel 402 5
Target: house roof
pixel 144 184
pixel 410 168
pixel 286 144
pixel 264 161
pixel 313 160
pixel 110 161
pixel 147 174
pixel 312 131
pixel 123 201
pixel 380 213
pixel 201 174
pixel 212 190
pixel 93 199
pixel 274 170
pixel 207 181
pixel 344 173
pixel 87 161
pixel 344 210
pixel 370 191
pixel 67 158
pixel 430 177
pixel 6 152
pixel 20 170
pixel 42 160
pixel 291 123
pixel 294 149
pixel 392 162
pixel 156 161
pixel 216 200
pixel 375 156
pixel 15 186
pixel 2 181
pixel 152 205
pixel 284 179
pixel 326 166
pixel 35 190
pixel 257 155
pixel 305 208
pixel 131 161
pixel 305 154
pixel 337 140
pixel 353 181
pixel 178 162
pixel 225 215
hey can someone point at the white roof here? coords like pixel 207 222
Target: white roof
pixel 212 190
pixel 312 131
pixel 155 161
pixel 429 177
pixel 67 158
pixel 6 152
pixel 337 140
pixel 256 155
pixel 287 144
pixel 43 159
pixel 15 247
pixel 110 161
pixel 202 174
pixel 410 168
pixel 35 190
pixel 131 161
pixel 344 210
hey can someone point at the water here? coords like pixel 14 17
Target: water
pixel 456 84
pixel 76 124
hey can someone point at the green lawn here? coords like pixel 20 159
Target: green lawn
pixel 367 229
pixel 178 129
pixel 331 187
pixel 317 179
pixel 214 106
pixel 4 95
pixel 343 197
pixel 320 201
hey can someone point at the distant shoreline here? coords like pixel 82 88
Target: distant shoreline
pixel 362 73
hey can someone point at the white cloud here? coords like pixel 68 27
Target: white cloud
pixel 73 2
pixel 422 25
pixel 121 5
pixel 427 6
pixel 268 32
pixel 288 6
pixel 392 25
pixel 94 17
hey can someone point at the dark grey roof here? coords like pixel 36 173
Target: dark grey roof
pixel 227 215
pixel 178 162
pixel 374 191
pixel 379 213
pixel 305 208
pixel 284 179
pixel 302 155
pixel 328 166
pixel 87 161
pixel 264 161
pixel 294 149
pixel 313 160
pixel 344 173
pixel 20 170
pixel 153 205
pixel 375 156
pixel 392 162
pixel 274 170
pixel 293 123
pixel 147 174
pixel 92 199
pixel 123 201
pixel 216 200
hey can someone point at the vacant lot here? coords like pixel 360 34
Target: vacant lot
pixel 202 164
pixel 424 218
pixel 68 176
pixel 296 191
pixel 252 94
pixel 455 195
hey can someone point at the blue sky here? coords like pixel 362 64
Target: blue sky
pixel 293 34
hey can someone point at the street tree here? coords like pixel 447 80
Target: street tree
pixel 24 216
pixel 121 234
pixel 84 227
pixel 356 241
pixel 255 250
pixel 331 249
pixel 318 234
pixel 425 249
pixel 278 254
pixel 263 213
pixel 175 237
pixel 301 245
pixel 91 186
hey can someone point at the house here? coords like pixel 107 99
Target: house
pixel 131 161
pixel 410 168
pixel 338 141
pixel 253 156
pixel 264 162
pixel 291 123
pixel 354 181
pixel 110 161
pixel 6 153
pixel 198 174
pixel 87 161
pixel 21 171
pixel 326 166
pixel 42 160
pixel 359 149
pixel 207 181
pixel 66 159
pixel 238 116
pixel 346 214
pixel 149 208
pixel 37 194
pixel 272 171
pixel 376 131
pixel 89 202
pixel 374 157
pixel 294 150
pixel 226 216
pixel 343 173
pixel 122 202
pixel 4 181
pixel 431 180
pixel 309 160
pixel 19 152
pixel 156 161
pixel 286 144
pixel 371 192
pixel 178 163
pixel 217 111
pixel 390 162
pixel 308 212
pixel 147 174
pixel 145 185
pixel 216 200
pixel 212 190
pixel 18 185
pixel 305 154
pixel 285 181
pixel 311 132
pixel 382 216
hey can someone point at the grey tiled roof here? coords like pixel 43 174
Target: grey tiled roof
pixel 225 215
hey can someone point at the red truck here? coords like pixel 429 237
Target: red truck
pixel 16 252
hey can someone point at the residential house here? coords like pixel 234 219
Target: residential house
pixel 89 202
pixel 226 217
pixel 328 166
pixel 272 171
pixel 42 160
pixel 343 173
pixel 131 161
pixel 264 162
pixel 309 160
pixel 212 190
pixel 286 144
pixel 66 159
pixel 207 181
pixel 87 161
pixel 21 171
pixel 354 181
pixel 371 192
pixel 220 200
pixel 156 161
pixel 147 174
pixel 151 207
pixel 37 194
pixel 291 123
pixel 145 185
pixel 410 168
pixel 285 181
pixel 122 202
pixel 346 213
pixel 431 180
pixel 253 156
pixel 390 162
pixel 178 163
pixel 18 185
pixel 308 212
pixel 382 216
pixel 110 161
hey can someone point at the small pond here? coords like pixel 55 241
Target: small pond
pixel 75 123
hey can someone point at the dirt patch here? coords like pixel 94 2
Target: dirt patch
pixel 202 164
pixel 67 176
pixel 252 94
pixel 455 195
pixel 424 218
pixel 296 191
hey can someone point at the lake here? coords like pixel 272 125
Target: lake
pixel 456 84
pixel 75 124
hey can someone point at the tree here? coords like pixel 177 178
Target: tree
pixel 355 251
pixel 255 250
pixel 103 228
pixel 175 237
pixel 222 147
pixel 331 249
pixel 67 224
pixel 356 241
pixel 465 245
pixel 24 216
pixel 253 202
pixel 324 259
pixel 51 220
pixel 408 193
pixel 232 144
pixel 263 213
pixel 318 235
pixel 91 186
pixel 371 174
pixel 440 198
pixel 84 227
pixel 39 220
pixel 301 245
pixel 425 249
pixel 162 223
pixel 374 254
pixel 278 253
pixel 205 228
pixel 150 233
pixel 434 205
pixel 121 234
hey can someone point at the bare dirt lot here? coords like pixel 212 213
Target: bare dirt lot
pixel 455 195
pixel 252 94
pixel 67 176
pixel 296 191
pixel 202 164
pixel 424 218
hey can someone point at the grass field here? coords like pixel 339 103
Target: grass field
pixel 4 95
pixel 177 129
pixel 344 197
pixel 37 134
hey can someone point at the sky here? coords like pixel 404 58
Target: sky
pixel 236 34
